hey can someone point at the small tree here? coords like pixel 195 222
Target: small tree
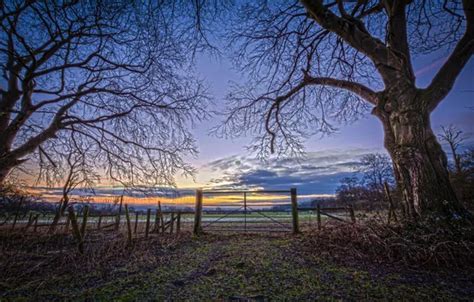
pixel 454 137
pixel 348 191
pixel 376 169
pixel 464 182
pixel 461 175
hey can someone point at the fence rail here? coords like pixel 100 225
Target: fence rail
pixel 253 211
pixel 78 225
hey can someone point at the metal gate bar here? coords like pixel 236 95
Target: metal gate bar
pixel 220 218
pixel 272 219
pixel 247 210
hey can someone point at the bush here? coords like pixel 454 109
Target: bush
pixel 414 245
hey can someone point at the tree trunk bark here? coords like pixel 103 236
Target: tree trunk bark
pixel 420 164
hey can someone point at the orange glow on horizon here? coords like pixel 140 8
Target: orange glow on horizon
pixel 256 198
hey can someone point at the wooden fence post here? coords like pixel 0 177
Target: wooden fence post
pixel 178 223
pixel 171 223
pixel 129 226
pixel 156 228
pixel 391 209
pixel 36 222
pixel 14 220
pixel 319 217
pixel 75 230
pixel 198 213
pixel 85 214
pixel 117 225
pixel 30 221
pixel 162 220
pixel 294 211
pixel 100 222
pixel 351 211
pixel 68 221
pixel 136 222
pixel 147 228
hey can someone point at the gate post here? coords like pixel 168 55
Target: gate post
pixel 294 211
pixel 117 218
pixel 197 213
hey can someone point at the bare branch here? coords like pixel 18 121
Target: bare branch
pixel 357 88
pixel 110 79
pixel 444 80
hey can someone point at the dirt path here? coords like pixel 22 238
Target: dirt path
pixel 249 268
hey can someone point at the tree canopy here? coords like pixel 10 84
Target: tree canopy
pixel 111 80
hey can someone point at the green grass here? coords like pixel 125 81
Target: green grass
pixel 224 267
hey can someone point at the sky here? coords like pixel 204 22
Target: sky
pixel 227 163
pixel 329 159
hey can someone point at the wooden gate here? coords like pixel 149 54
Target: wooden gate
pixel 246 211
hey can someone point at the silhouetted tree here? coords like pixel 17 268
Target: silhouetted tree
pixel 349 190
pixel 312 63
pixel 462 173
pixel 464 181
pixel 454 138
pixel 109 73
pixel 376 169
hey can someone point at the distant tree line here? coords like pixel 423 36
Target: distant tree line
pixel 366 188
pixel 461 169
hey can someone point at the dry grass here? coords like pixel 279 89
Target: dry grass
pixel 415 246
pixel 341 262
pixel 29 260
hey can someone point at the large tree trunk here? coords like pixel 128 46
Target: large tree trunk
pixel 420 165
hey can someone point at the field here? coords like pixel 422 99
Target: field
pixel 257 267
pixel 277 221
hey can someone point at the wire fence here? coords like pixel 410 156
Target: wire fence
pixel 222 211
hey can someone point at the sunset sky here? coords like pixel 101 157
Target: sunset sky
pixel 226 162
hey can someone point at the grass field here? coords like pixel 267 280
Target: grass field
pixel 252 217
pixel 210 267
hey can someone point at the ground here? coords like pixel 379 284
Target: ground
pixel 209 267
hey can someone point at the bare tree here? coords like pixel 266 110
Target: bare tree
pixel 110 74
pixel 376 169
pixel 348 190
pixel 454 138
pixel 464 182
pixel 73 169
pixel 461 174
pixel 313 63
pixel 377 177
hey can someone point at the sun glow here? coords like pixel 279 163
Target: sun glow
pixel 181 201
